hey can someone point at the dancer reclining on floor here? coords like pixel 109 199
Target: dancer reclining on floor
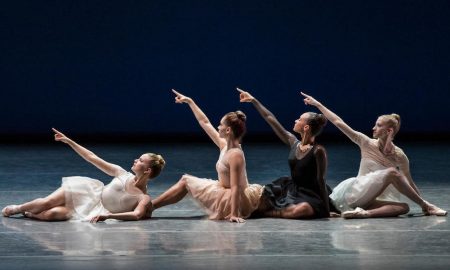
pixel 83 198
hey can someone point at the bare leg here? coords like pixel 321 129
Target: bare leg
pixel 399 182
pixel 387 209
pixel 58 213
pixel 301 210
pixel 57 198
pixel 173 195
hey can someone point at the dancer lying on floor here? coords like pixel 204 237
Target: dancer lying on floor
pixel 83 198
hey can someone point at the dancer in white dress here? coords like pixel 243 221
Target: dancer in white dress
pixel 83 198
pixel 231 197
pixel 383 173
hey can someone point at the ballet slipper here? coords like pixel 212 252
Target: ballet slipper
pixel 433 210
pixel 28 215
pixel 357 213
pixel 11 210
pixel 334 215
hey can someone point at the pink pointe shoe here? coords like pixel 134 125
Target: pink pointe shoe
pixel 433 210
pixel 10 210
pixel 357 213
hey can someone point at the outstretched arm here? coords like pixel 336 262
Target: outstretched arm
pixel 106 167
pixel 321 161
pixel 201 118
pixel 284 135
pixel 336 120
pixel 140 212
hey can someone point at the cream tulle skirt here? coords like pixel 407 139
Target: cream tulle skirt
pixel 359 191
pixel 83 197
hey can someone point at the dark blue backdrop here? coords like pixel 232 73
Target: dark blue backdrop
pixel 107 67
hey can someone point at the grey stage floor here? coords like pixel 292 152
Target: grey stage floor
pixel 179 236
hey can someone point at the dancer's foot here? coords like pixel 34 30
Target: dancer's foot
pixel 433 210
pixel 11 210
pixel 357 213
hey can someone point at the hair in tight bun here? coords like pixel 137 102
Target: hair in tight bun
pixel 236 121
pixel 392 120
pixel 316 121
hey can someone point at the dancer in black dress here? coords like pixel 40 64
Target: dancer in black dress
pixel 305 193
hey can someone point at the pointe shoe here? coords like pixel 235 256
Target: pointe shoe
pixel 28 214
pixel 357 213
pixel 10 210
pixel 433 210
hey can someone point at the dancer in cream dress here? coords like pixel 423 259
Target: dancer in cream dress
pixel 83 198
pixel 383 173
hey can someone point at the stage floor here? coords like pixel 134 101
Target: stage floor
pixel 180 237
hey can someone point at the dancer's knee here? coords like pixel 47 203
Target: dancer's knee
pixel 392 175
pixel 183 180
pixel 302 210
pixel 403 208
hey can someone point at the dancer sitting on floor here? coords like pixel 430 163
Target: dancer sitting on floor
pixel 305 193
pixel 231 197
pixel 83 198
pixel 383 172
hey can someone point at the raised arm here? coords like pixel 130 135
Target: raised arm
pixel 140 212
pixel 201 118
pixel 332 117
pixel 321 161
pixel 237 166
pixel 284 135
pixel 106 167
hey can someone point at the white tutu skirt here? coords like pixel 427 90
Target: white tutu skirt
pixel 83 197
pixel 216 200
pixel 359 191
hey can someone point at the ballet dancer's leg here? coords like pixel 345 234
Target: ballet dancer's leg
pixel 59 213
pixel 301 210
pixel 173 195
pixel 57 198
pixel 378 209
pixel 399 181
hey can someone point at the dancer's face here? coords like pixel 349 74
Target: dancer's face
pixel 380 130
pixel 223 129
pixel 301 123
pixel 141 164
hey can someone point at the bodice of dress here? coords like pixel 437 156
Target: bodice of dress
pixel 223 169
pixel 115 198
pixel 372 159
pixel 304 170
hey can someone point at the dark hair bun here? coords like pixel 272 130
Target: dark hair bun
pixel 321 120
pixel 241 115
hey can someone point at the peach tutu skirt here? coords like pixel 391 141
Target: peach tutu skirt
pixel 216 200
